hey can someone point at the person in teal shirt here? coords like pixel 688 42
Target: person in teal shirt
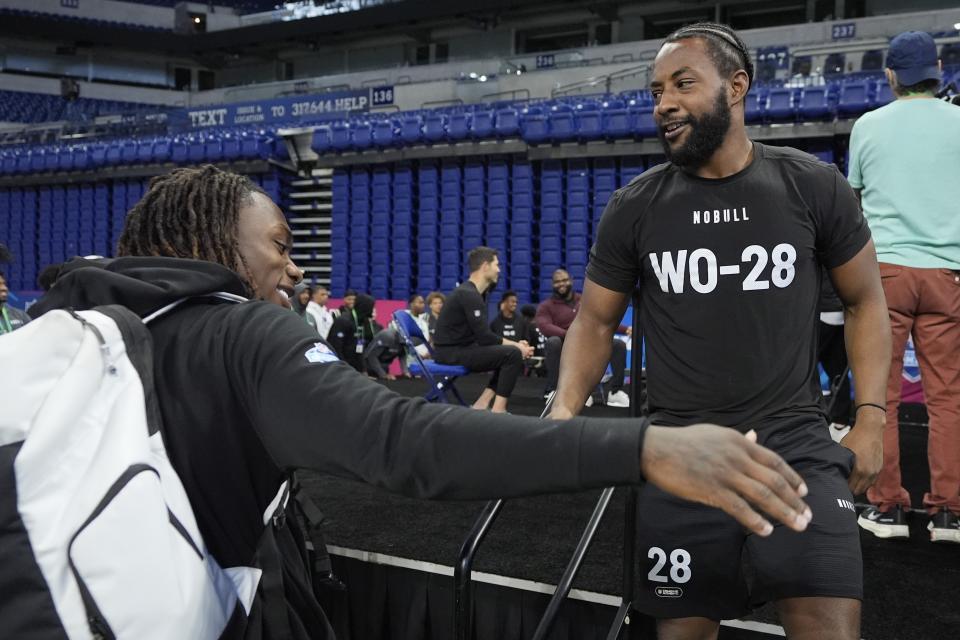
pixel 905 166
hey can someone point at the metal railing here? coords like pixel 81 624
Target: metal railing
pixel 463 591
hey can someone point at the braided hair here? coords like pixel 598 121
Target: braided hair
pixel 190 213
pixel 727 50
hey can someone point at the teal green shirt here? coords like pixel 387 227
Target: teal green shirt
pixel 905 157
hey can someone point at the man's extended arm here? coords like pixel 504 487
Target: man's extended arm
pixel 867 334
pixel 586 348
pixel 322 415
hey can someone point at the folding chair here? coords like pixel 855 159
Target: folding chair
pixel 440 377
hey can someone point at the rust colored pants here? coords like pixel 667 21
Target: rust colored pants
pixel 924 303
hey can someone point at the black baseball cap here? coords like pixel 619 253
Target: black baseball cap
pixel 913 56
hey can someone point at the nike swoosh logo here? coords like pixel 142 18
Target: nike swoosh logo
pixel 874 516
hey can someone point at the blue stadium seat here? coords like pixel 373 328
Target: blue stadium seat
pixel 180 148
pixel 815 103
pixel 231 146
pixel 644 125
pixel 589 121
pixel 884 94
pixel 534 125
pixel 506 122
pixel 854 98
pixel 340 135
pixel 482 126
pixel 383 133
pixel 563 126
pixel 435 126
pixel 145 150
pixel 617 120
pixel 460 125
pixel 754 106
pixel 411 128
pixel 320 141
pixel 781 105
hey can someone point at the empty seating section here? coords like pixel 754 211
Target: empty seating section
pixel 46 225
pixel 403 226
pixel 20 106
pixel 407 227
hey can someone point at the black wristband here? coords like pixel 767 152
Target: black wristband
pixel 870 404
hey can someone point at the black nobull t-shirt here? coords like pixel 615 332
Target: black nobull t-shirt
pixel 729 271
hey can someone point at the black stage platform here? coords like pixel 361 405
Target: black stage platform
pixel 397 554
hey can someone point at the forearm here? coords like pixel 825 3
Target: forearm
pixel 868 342
pixel 586 352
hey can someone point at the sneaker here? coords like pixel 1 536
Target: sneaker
pixel 618 399
pixel 892 524
pixel 944 527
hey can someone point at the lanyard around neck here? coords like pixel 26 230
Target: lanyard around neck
pixel 6 326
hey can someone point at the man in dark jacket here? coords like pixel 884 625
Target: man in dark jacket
pixel 464 338
pixel 353 331
pixel 249 392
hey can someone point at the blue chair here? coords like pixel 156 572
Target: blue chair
pixel 854 99
pixel 781 105
pixel 534 127
pixel 482 126
pixel 435 126
pixel 507 122
pixel 754 106
pixel 340 135
pixel 440 377
pixel 459 125
pixel 589 121
pixel 884 94
pixel 563 127
pixel 412 128
pixel 815 104
pixel 644 126
pixel 383 133
pixel 617 121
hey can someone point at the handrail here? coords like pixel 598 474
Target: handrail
pixel 462 587
pixel 454 102
pixel 463 603
pixel 511 93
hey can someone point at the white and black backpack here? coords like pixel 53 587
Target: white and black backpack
pixel 97 536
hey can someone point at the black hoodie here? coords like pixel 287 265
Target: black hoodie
pixel 248 392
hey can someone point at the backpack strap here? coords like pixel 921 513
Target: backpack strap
pixel 273 605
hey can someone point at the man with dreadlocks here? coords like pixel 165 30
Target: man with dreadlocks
pixel 247 394
pixel 726 241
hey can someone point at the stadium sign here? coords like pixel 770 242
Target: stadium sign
pixel 334 104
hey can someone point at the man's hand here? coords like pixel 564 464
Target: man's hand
pixel 525 349
pixel 866 442
pixel 721 468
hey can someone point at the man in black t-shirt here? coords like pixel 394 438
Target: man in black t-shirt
pixel 463 336
pixel 726 241
pixel 508 323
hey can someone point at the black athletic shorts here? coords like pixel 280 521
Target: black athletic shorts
pixel 698 561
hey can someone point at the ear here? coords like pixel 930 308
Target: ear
pixel 738 87
pixel 891 77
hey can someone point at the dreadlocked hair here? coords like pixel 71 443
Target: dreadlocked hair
pixel 190 213
pixel 726 49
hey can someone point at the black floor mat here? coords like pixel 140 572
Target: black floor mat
pixel 912 586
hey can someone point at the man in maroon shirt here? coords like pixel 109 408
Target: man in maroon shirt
pixel 554 317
